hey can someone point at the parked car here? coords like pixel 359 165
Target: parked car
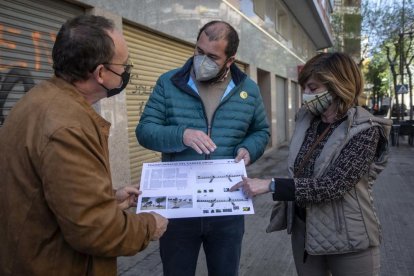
pixel 382 111
pixel 402 109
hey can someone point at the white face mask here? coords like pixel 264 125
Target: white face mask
pixel 318 103
pixel 205 68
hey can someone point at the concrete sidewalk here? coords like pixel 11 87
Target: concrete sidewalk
pixel 270 254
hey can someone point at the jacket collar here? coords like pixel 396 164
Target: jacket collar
pixel 70 90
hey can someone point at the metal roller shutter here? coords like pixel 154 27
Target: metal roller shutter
pixel 152 55
pixel 27 33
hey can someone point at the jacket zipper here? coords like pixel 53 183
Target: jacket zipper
pixel 206 156
pixel 209 126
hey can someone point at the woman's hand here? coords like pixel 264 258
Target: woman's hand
pixel 252 186
pixel 127 196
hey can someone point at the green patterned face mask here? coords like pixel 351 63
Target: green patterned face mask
pixel 317 103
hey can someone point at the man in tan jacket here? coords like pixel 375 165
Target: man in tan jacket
pixel 58 212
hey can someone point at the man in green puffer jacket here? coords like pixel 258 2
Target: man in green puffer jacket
pixel 208 109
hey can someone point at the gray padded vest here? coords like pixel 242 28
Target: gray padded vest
pixel 349 224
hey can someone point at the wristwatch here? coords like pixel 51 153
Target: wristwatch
pixel 272 186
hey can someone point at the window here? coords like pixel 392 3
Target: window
pixel 282 25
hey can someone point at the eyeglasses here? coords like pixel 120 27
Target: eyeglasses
pixel 127 67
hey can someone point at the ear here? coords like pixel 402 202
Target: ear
pixel 230 61
pixel 98 73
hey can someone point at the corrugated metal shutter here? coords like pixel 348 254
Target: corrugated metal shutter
pixel 152 56
pixel 27 33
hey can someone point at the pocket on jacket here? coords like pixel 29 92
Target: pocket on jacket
pixel 338 209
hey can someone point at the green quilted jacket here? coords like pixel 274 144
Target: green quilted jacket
pixel 239 121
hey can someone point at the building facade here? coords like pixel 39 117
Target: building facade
pixel 347 27
pixel 276 38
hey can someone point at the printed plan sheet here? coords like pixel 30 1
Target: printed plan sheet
pixel 193 189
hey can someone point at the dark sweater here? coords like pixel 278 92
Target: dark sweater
pixel 344 173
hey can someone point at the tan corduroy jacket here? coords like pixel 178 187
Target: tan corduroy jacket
pixel 58 215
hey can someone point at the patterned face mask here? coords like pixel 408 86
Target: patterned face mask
pixel 317 103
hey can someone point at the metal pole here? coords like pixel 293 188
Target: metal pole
pixel 402 58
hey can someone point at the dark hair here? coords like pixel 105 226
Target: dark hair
pixel 228 33
pixel 82 44
pixel 340 74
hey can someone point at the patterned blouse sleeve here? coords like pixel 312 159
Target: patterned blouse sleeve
pixel 352 163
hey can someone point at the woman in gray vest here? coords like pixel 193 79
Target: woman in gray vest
pixel 336 152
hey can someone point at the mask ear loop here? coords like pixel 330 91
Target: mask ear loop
pixel 224 74
pixel 337 114
pixel 232 58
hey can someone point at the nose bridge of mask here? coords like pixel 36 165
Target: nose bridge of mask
pixel 307 97
pixel 208 63
pixel 317 103
pixel 315 97
pixel 204 64
pixel 205 68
